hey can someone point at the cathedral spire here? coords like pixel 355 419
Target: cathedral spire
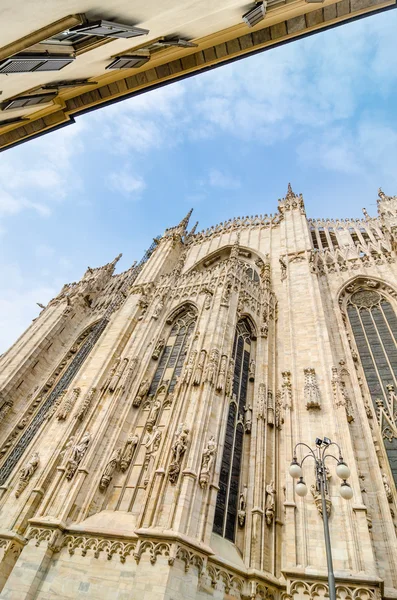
pixel 185 221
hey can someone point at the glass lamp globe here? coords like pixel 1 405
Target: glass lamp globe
pixel 301 488
pixel 295 470
pixel 342 470
pixel 346 491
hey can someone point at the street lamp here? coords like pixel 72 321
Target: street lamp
pixel 343 472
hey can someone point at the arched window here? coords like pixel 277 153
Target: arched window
pixel 174 353
pixel 252 274
pixel 374 325
pixel 229 481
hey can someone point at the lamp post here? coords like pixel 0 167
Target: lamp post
pixel 320 454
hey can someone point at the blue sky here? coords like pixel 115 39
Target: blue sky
pixel 320 112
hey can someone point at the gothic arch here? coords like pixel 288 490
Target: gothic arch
pixel 175 339
pixel 369 311
pixel 211 259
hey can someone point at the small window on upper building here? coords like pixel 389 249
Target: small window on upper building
pixel 252 274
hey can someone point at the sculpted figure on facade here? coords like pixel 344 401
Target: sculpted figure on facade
pixel 152 444
pixel 252 369
pixel 229 378
pixel 270 505
pixel 261 402
pixel 142 392
pixel 242 507
pixel 311 389
pixel 212 366
pixel 318 501
pixel 130 374
pixel 67 404
pixel 153 413
pixel 128 451
pixel 26 473
pixel 221 381
pixel 117 376
pixel 109 469
pixel 77 454
pixel 158 349
pixel 178 450
pixel 227 292
pixel 188 370
pixel 207 461
pixel 112 373
pixel 86 404
pixel 248 418
pixel 198 374
pixel 270 408
pixel 159 308
pixel 386 485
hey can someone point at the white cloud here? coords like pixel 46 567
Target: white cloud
pixel 127 184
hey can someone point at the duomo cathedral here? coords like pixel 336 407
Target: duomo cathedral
pixel 148 418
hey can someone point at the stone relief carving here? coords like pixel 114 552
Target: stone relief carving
pixel 26 473
pixel 283 266
pixel 270 504
pixel 142 392
pixel 158 349
pixel 220 384
pixel 109 469
pixel 340 393
pixel 67 404
pixel 152 444
pixel 212 367
pixel 128 451
pixel 287 389
pixel 387 414
pixel 84 408
pixel 77 453
pixel 198 374
pixel 278 411
pixel 242 507
pixel 178 450
pixel 317 496
pixel 130 374
pixel 56 404
pixel 112 373
pixel 311 390
pixel 227 292
pixel 207 461
pixel 159 308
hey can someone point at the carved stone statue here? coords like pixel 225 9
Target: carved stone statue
pixel 26 473
pixel 110 469
pixel 200 368
pixel 152 444
pixel 77 454
pixel 153 414
pixel 68 404
pixel 229 378
pixel 112 372
pixel 221 382
pixel 158 348
pixel 318 502
pixel 158 309
pixel 386 485
pixel 5 409
pixel 207 461
pixel 212 366
pixel 128 452
pixel 178 450
pixel 270 505
pixel 242 507
pixel 252 368
pixel 86 404
pixel 142 392
pixel 188 370
pixel 117 376
pixel 248 418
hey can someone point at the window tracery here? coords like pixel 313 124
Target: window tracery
pixel 373 322
pixel 226 510
pixel 174 352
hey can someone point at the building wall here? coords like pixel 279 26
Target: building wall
pixel 105 490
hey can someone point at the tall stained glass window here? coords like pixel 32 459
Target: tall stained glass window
pixel 229 482
pixel 174 353
pixel 374 324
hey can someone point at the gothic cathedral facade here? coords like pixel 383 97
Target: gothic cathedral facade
pixel 148 418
